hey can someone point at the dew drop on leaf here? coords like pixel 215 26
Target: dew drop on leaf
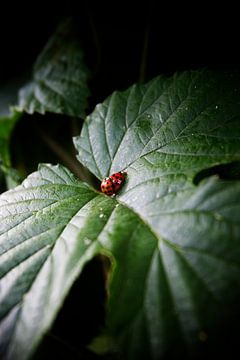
pixel 87 241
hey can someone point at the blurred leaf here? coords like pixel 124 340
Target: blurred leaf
pixel 8 119
pixel 6 126
pixel 60 77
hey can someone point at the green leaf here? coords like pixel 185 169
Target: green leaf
pixel 174 246
pixel 7 123
pixel 8 119
pixel 50 226
pixel 6 126
pixel 191 119
pixel 60 77
pixel 163 133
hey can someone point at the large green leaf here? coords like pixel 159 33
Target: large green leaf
pixel 174 246
pixel 190 121
pixel 59 78
pixel 50 226
pixel 160 291
pixel 163 133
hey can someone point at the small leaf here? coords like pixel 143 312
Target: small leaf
pixel 60 77
pixel 8 119
pixel 7 124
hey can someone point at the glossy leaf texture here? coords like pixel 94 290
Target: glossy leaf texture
pixel 192 114
pixel 50 226
pixel 163 133
pixel 174 246
pixel 60 77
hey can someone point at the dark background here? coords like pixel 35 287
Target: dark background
pixel 179 36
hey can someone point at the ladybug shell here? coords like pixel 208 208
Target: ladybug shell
pixel 107 186
pixel 117 180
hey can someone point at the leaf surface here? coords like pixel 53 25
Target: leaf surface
pixel 162 134
pixel 174 246
pixel 51 226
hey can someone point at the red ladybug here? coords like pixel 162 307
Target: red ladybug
pixel 112 184
pixel 117 180
pixel 107 186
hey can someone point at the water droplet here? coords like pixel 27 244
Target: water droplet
pixel 192 133
pixel 149 116
pixel 100 209
pixel 157 195
pixel 216 107
pixel 186 108
pixel 101 216
pixel 87 241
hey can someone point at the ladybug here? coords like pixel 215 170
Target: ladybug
pixel 117 180
pixel 112 184
pixel 107 186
